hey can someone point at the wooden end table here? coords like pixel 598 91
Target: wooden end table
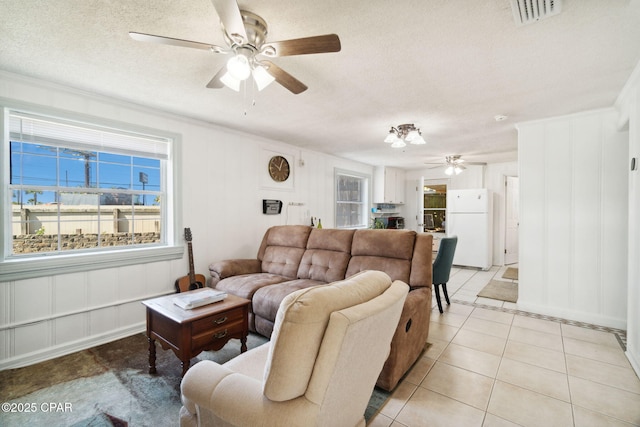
pixel 189 332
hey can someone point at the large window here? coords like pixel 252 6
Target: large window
pixel 75 187
pixel 352 199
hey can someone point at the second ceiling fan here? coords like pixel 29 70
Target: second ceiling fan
pixel 245 34
pixel 454 164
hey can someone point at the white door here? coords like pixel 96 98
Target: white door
pixel 511 220
pixel 420 205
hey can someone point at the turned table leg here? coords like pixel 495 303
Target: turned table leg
pixel 152 356
pixel 243 344
pixel 185 366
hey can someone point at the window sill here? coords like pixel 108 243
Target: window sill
pixel 26 268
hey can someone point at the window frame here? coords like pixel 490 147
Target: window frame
pixel 366 195
pixel 55 263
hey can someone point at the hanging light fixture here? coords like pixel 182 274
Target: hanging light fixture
pixel 262 77
pixel 399 136
pixel 454 165
pixel 239 66
pixel 242 65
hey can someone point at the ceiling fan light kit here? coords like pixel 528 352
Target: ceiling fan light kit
pixel 245 34
pixel 399 136
pixel 454 165
pixel 450 170
pixel 238 66
pixel 231 82
pixel 243 63
pixel 262 77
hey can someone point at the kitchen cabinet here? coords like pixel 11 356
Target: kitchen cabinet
pixel 388 185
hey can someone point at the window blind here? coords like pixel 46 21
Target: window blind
pixel 28 127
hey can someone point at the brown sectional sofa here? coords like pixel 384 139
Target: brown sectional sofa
pixel 293 257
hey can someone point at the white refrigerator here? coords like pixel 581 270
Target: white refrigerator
pixel 469 216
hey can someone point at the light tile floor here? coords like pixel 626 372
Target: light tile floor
pixel 489 364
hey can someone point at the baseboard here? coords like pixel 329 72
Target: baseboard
pixel 579 316
pixel 72 347
pixel 635 363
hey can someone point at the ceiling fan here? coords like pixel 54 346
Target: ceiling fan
pixel 454 164
pixel 245 34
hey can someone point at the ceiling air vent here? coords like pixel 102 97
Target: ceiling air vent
pixel 530 11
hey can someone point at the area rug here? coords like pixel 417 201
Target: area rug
pixel 109 385
pixel 500 290
pixel 511 273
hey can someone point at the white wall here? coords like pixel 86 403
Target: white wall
pixel 628 104
pixel 222 183
pixel 491 176
pixel 573 218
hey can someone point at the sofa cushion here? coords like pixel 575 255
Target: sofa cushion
pixel 282 260
pixel 300 325
pixel 327 255
pixel 324 266
pixel 383 243
pixel 293 236
pixel 261 325
pixel 246 285
pixel 397 269
pixel 282 248
pixel 266 300
pixel 330 239
pixel 385 250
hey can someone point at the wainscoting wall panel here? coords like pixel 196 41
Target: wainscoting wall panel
pixel 628 103
pixel 221 189
pixel 573 225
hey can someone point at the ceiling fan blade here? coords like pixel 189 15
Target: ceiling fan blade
pixel 231 19
pixel 175 42
pixel 215 82
pixel 303 46
pixel 285 79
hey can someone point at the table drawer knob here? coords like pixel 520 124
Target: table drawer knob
pixel 220 320
pixel 221 334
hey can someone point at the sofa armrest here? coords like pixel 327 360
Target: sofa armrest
pixel 200 381
pixel 409 339
pixel 233 267
pixel 222 394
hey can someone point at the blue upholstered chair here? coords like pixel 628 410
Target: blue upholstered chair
pixel 442 267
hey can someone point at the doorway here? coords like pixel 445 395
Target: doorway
pixel 431 196
pixel 512 219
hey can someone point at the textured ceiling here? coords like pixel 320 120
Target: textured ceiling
pixel 449 66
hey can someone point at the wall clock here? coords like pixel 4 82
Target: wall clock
pixel 279 169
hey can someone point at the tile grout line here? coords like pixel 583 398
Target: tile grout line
pixel 495 379
pixel 620 334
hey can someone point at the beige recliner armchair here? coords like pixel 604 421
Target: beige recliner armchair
pixel 327 349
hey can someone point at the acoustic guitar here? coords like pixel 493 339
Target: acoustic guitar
pixel 191 281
